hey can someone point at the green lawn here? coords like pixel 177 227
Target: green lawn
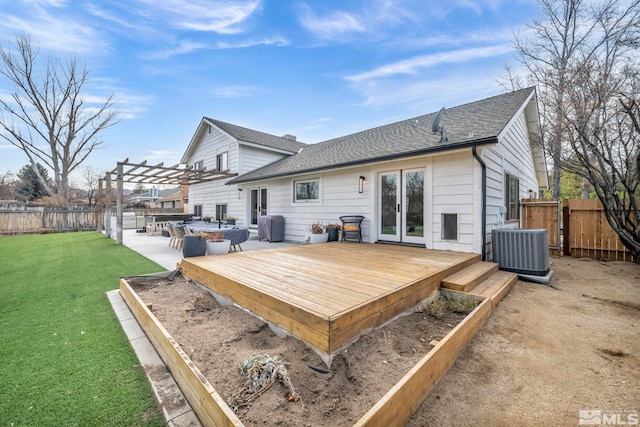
pixel 64 359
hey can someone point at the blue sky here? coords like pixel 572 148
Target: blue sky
pixel 314 69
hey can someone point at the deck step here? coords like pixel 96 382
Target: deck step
pixel 496 286
pixel 467 279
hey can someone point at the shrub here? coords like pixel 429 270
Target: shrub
pixel 434 305
pixel 461 303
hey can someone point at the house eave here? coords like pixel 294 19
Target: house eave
pixel 430 150
pixel 265 147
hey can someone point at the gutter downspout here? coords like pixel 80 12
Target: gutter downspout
pixel 484 201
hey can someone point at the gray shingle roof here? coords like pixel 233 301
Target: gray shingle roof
pixel 257 137
pixel 475 123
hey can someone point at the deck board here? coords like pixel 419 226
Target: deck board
pixel 327 294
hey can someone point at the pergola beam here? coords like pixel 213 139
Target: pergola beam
pixel 142 173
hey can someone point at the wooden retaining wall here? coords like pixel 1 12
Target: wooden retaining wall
pixel 395 408
pixel 205 401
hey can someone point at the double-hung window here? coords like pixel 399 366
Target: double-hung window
pixel 222 161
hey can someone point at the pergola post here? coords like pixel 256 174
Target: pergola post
pixel 107 225
pixel 100 218
pixel 119 197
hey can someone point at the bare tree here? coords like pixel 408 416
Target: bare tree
pixel 547 50
pixel 90 178
pixel 8 186
pixel 47 115
pixel 602 129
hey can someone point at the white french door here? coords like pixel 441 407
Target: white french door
pixel 401 206
pixel 258 204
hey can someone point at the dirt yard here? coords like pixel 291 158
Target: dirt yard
pixel 543 355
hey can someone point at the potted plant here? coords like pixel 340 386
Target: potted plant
pixel 217 244
pixel 194 245
pixel 230 220
pixel 317 233
pixel 332 231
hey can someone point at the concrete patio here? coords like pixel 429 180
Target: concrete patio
pixel 156 247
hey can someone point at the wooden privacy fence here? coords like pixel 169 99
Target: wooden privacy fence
pixel 43 221
pixel 585 230
pixel 544 213
pixel 588 234
pixel 17 222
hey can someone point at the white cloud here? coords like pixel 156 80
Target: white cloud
pixel 332 26
pixel 164 154
pixel 183 47
pixel 428 94
pixel 54 31
pixel 422 62
pixel 52 3
pixel 223 17
pixel 235 91
pixel 272 41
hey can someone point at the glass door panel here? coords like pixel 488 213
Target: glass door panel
pixel 389 195
pixel 413 206
pixel 258 204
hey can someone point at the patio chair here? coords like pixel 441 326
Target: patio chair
pixel 179 236
pixel 351 227
pixel 172 236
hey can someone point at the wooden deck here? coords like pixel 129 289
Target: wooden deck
pixel 328 294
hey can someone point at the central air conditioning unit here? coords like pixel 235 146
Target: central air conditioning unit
pixel 521 251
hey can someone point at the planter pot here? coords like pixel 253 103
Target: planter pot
pixel 193 246
pixel 318 238
pixel 231 222
pixel 217 248
pixel 333 234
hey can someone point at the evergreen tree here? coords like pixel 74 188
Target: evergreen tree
pixel 29 185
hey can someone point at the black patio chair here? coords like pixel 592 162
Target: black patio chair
pixel 351 227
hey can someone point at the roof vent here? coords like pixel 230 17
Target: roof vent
pixel 290 137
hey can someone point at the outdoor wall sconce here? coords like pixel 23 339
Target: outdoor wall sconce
pixel 239 193
pixel 361 185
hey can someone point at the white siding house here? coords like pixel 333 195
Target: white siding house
pixel 421 189
pixel 226 147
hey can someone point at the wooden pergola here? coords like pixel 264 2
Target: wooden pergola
pixel 141 173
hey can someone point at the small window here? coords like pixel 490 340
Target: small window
pixel 307 190
pixel 221 212
pixel 449 226
pixel 511 197
pixel 222 163
pixel 197 210
pixel 199 165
